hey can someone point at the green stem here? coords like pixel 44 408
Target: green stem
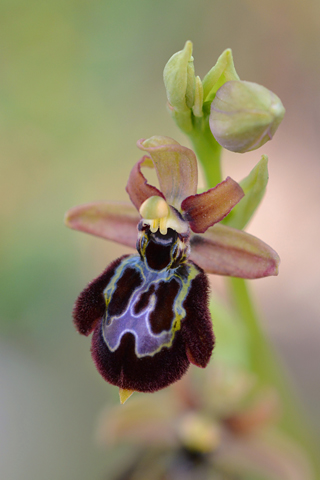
pixel 208 151
pixel 264 361
pixel 266 365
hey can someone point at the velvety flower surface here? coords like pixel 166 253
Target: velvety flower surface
pixel 149 311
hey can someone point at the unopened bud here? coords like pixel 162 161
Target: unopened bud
pixel 198 98
pixel 244 115
pixel 223 71
pixel 179 79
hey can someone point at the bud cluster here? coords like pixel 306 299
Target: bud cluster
pixel 242 115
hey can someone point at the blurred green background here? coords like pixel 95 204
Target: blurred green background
pixel 80 82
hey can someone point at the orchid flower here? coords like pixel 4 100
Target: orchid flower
pixel 149 311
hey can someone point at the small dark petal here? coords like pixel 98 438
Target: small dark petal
pixel 147 374
pixel 90 305
pixel 138 187
pixel 205 209
pixel 197 325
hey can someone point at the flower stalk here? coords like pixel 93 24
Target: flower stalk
pixel 263 360
pixel 149 311
pixel 206 147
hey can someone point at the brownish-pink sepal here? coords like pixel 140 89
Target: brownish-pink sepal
pixel 112 221
pixel 176 168
pixel 138 187
pixel 207 208
pixel 224 250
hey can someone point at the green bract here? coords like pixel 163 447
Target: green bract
pixel 254 187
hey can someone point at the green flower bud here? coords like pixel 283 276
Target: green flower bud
pixel 179 79
pixel 223 71
pixel 198 98
pixel 244 116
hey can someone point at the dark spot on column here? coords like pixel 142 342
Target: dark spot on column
pixel 162 315
pixel 129 281
pixel 159 248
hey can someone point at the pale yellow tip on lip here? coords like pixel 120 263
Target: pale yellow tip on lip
pixel 124 395
pixel 154 207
